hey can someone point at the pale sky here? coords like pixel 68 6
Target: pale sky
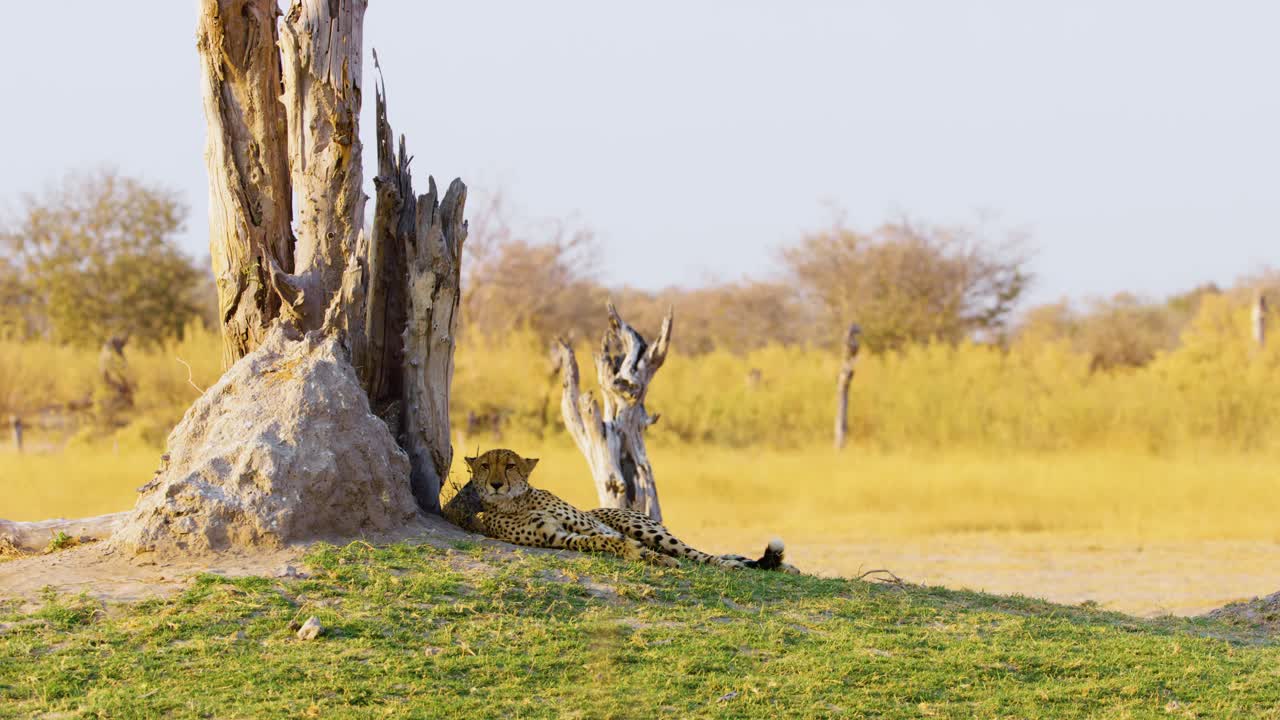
pixel 1137 142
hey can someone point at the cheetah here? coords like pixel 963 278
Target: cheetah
pixel 514 511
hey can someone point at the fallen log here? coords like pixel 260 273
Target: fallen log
pixel 34 537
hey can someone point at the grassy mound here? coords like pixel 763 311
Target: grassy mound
pixel 474 631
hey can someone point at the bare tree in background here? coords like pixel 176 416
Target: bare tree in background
pixel 909 283
pixel 19 315
pixel 612 439
pixel 738 316
pixel 540 276
pixel 1121 331
pixel 114 392
pixel 1260 319
pixel 852 343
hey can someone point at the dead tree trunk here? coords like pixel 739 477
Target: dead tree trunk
pixel 114 393
pixel 247 157
pixel 15 422
pixel 613 441
pixel 33 537
pixel 1260 320
pixel 392 298
pixel 852 343
pixel 391 294
pixel 321 45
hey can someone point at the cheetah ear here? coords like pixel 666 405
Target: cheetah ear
pixel 529 464
pixel 471 462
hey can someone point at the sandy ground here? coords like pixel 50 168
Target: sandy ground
pixel 1153 578
pixel 93 569
pixel 1180 578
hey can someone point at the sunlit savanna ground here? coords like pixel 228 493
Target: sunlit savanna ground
pixel 1131 532
pixel 1012 470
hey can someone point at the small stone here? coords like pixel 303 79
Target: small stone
pixel 236 636
pixel 727 696
pixel 310 629
pixel 289 571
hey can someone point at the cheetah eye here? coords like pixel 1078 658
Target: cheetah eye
pixel 484 466
pixel 511 466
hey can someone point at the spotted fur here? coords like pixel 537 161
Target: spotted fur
pixel 516 512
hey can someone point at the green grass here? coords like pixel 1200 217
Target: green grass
pixel 417 631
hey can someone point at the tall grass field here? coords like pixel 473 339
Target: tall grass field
pixel 814 492
pixel 974 448
pixel 1217 392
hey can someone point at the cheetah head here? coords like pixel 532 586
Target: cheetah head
pixel 500 477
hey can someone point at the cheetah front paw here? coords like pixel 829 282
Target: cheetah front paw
pixel 654 558
pixel 626 550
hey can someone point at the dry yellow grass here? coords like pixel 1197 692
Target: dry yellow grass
pixel 816 494
pixel 73 483
pixel 954 447
pixel 1215 394
pixel 1135 532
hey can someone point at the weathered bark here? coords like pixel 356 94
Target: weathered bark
pixel 31 537
pixel 852 342
pixel 246 155
pixel 391 294
pixel 393 298
pixel 612 441
pixel 1260 320
pixel 15 423
pixel 321 45
pixel 435 273
pixel 113 370
pixel 380 358
pixel 410 315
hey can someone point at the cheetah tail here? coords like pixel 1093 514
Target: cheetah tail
pixel 772 558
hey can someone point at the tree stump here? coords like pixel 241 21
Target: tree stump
pixel 392 294
pixel 852 343
pixel 282 104
pixel 246 152
pixel 15 422
pixel 1260 320
pixel 612 440
pixel 113 395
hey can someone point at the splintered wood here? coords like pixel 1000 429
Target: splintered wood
pixel 612 438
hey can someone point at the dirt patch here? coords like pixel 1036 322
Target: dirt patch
pixel 1257 614
pixel 108 574
pixel 1148 578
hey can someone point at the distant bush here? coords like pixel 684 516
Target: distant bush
pixel 96 257
pixel 1123 331
pixel 1214 391
pixel 38 377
